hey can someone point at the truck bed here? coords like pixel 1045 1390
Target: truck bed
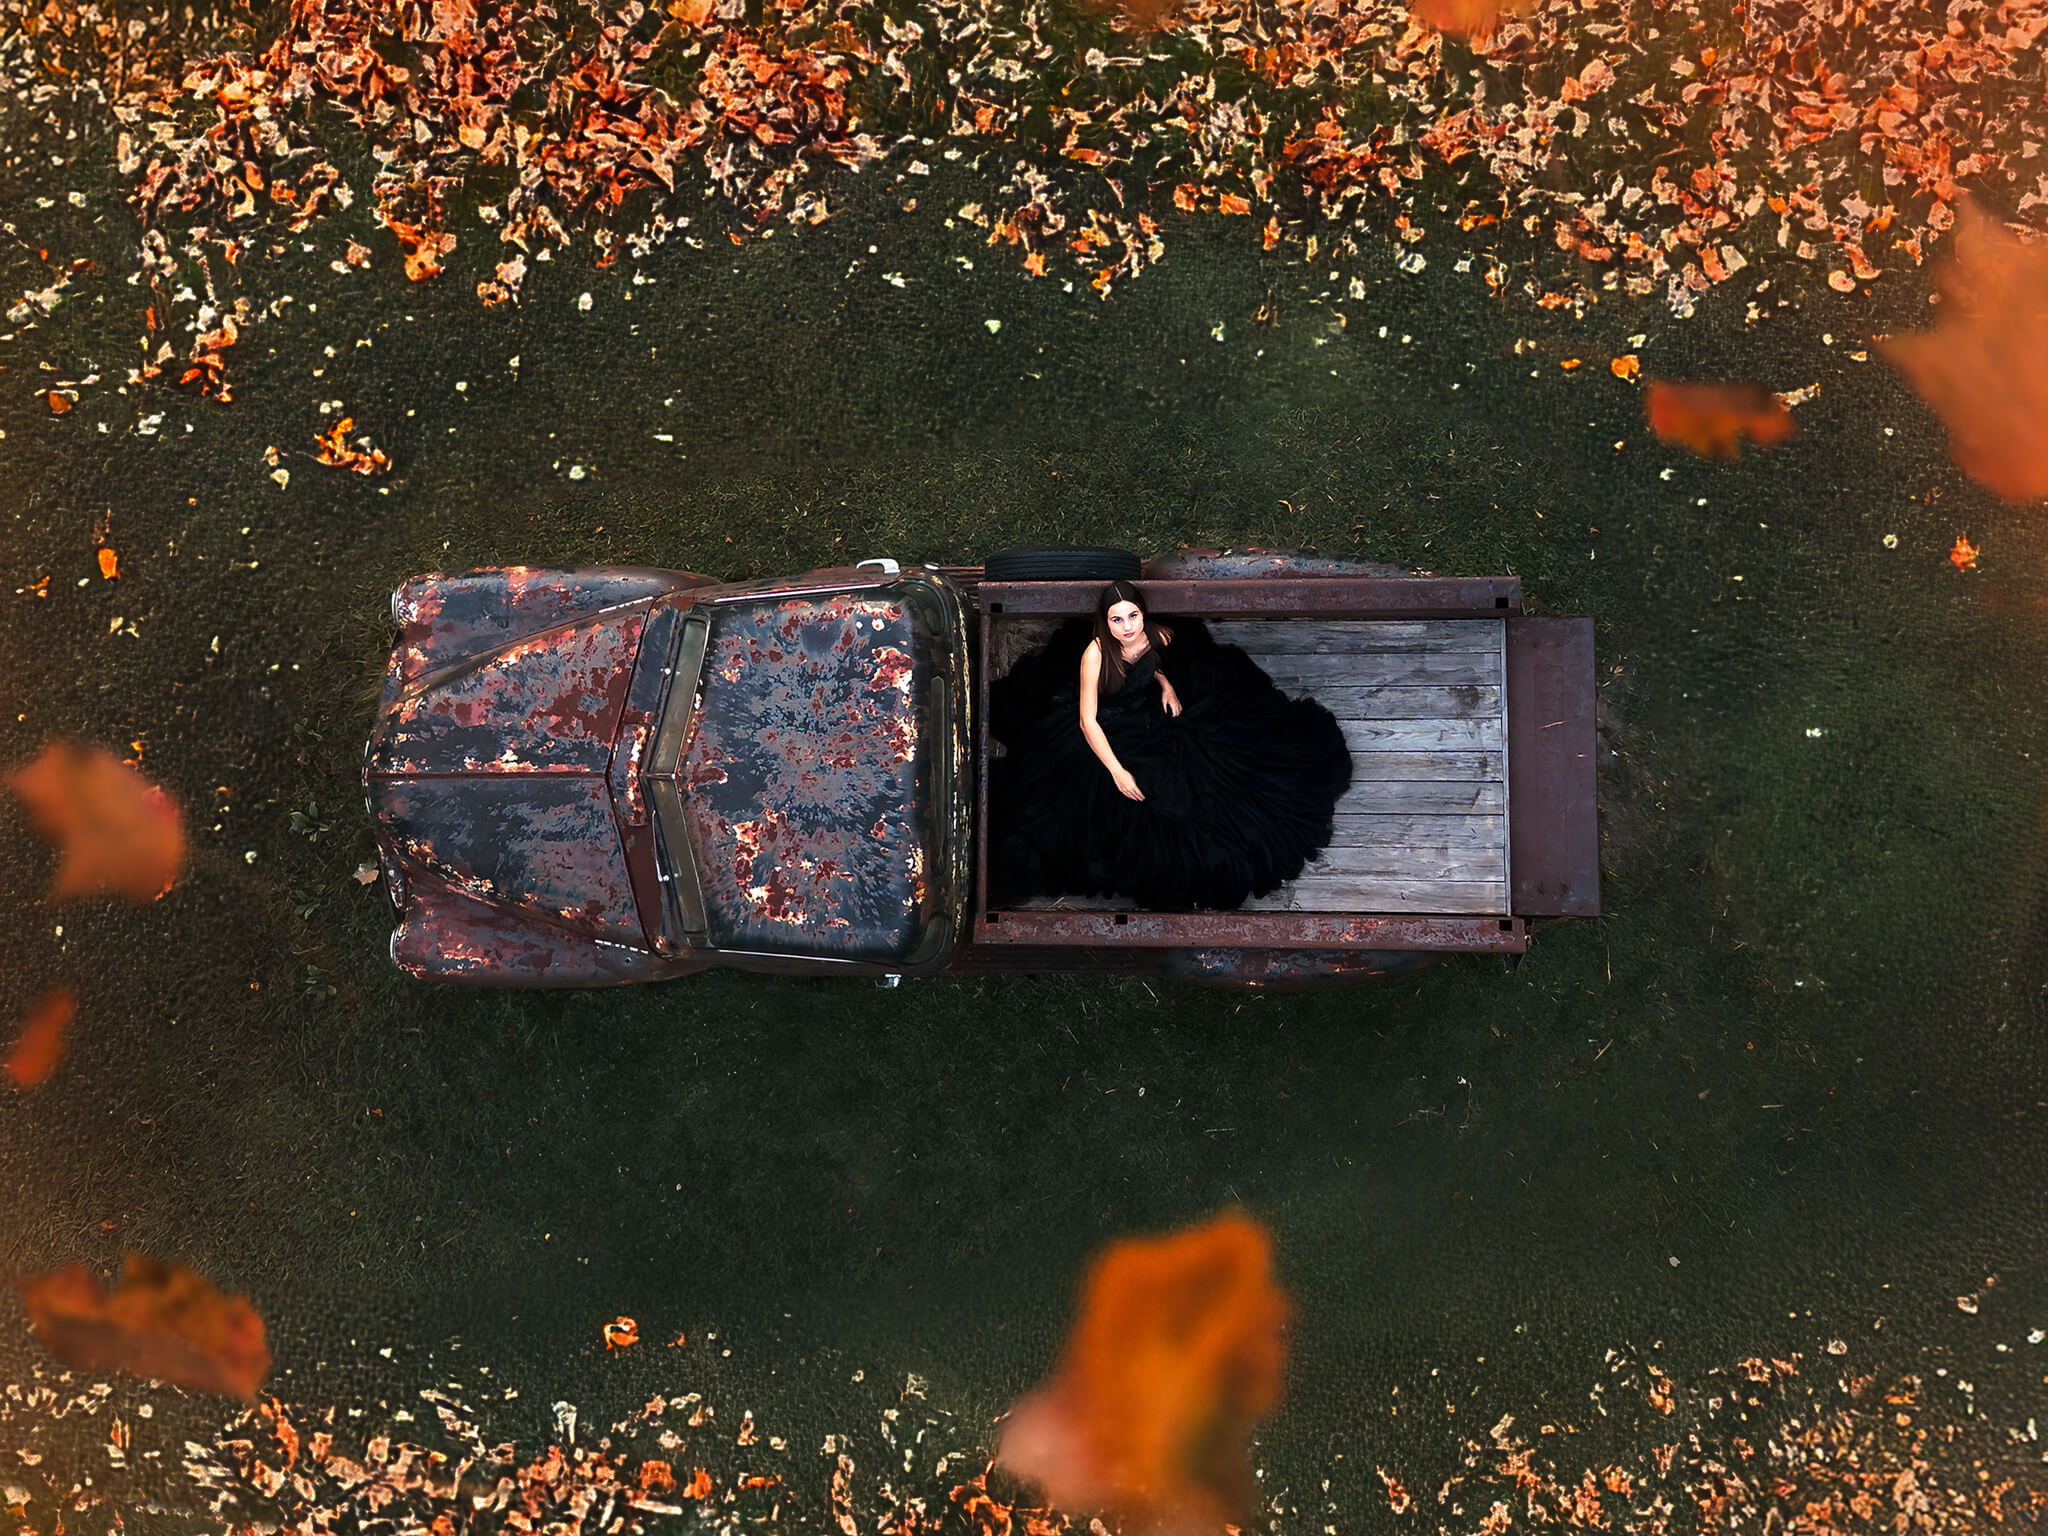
pixel 1454 703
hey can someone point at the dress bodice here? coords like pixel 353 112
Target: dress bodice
pixel 1137 690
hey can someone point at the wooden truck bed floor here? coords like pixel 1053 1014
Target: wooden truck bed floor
pixel 1424 826
pixel 1432 679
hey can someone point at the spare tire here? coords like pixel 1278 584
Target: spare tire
pixel 1063 562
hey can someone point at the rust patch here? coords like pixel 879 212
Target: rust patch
pixel 548 703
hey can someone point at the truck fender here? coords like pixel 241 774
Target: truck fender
pixel 448 935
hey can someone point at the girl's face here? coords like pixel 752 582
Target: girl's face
pixel 1126 622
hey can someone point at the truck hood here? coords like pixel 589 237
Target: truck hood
pixel 492 774
pixel 820 786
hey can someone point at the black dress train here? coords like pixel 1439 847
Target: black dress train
pixel 1240 789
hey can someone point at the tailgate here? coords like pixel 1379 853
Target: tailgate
pixel 1553 811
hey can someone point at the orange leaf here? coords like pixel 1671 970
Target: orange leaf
pixel 40 1046
pixel 1964 555
pixel 656 1477
pixel 110 565
pixel 1627 366
pixel 117 833
pixel 163 1321
pixel 1984 366
pixel 1176 1354
pixel 700 1486
pixel 1568 363
pixel 1713 419
pixel 621 1332
pixel 58 404
pixel 1230 202
pixel 1464 18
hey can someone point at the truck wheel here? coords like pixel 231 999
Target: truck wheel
pixel 1063 562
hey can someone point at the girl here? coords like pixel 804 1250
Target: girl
pixel 1149 762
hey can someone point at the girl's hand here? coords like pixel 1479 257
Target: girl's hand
pixel 1126 785
pixel 1168 699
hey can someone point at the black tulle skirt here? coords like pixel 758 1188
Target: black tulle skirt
pixel 1240 789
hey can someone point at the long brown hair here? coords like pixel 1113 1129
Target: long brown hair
pixel 1159 636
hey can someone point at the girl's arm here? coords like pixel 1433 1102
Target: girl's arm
pixel 1091 729
pixel 1169 700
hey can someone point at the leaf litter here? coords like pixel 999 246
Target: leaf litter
pixel 1759 1445
pixel 1661 146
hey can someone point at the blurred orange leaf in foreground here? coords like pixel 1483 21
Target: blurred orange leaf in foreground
pixel 1984 366
pixel 40 1046
pixel 1176 1354
pixel 118 833
pixel 1713 419
pixel 1464 18
pixel 163 1320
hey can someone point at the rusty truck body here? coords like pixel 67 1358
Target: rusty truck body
pixel 593 776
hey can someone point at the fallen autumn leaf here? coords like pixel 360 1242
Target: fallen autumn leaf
pixel 163 1321
pixel 1984 366
pixel 40 1045
pixel 1714 419
pixel 117 833
pixel 1176 1354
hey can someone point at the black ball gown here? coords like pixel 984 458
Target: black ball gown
pixel 1240 788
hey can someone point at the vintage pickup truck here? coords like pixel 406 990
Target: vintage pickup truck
pixel 585 777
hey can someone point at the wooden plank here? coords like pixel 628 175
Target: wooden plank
pixel 1424 735
pixel 1420 796
pixel 1387 831
pixel 1386 669
pixel 1274 637
pixel 1366 766
pixel 1336 893
pixel 1407 861
pixel 1467 702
